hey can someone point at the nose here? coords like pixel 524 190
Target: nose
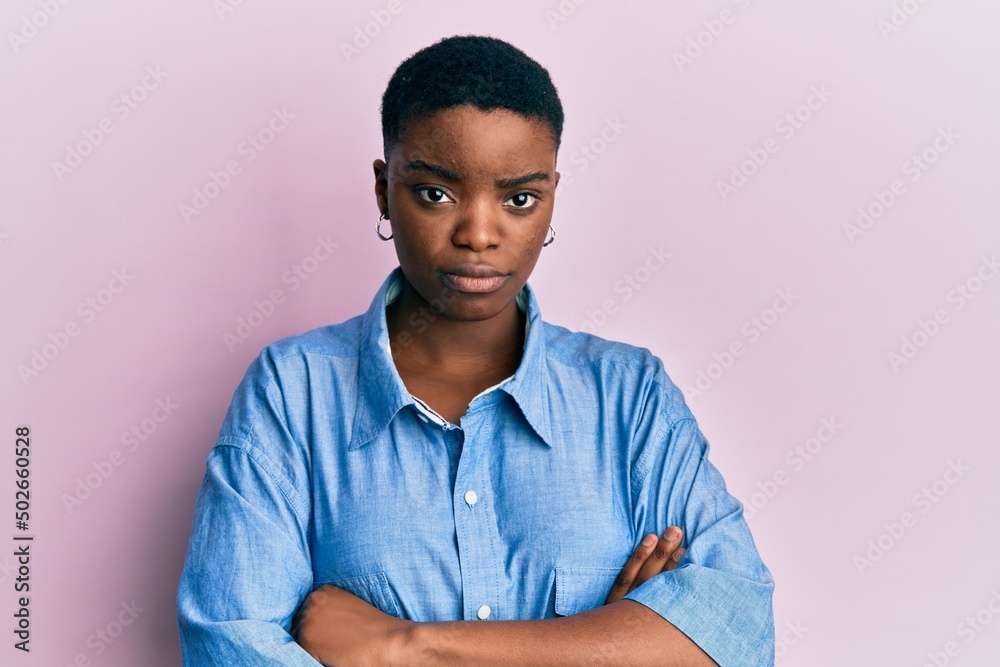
pixel 477 226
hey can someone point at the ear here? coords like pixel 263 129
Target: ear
pixel 381 186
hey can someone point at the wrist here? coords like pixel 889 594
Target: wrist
pixel 404 645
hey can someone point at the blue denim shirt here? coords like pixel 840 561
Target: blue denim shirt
pixel 327 470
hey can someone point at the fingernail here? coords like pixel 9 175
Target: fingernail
pixel 649 541
pixel 673 534
pixel 677 555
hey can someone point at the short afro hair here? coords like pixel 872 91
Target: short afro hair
pixel 468 69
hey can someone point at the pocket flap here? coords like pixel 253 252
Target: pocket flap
pixel 580 588
pixel 372 588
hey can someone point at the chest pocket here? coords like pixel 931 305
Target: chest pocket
pixel 372 588
pixel 582 588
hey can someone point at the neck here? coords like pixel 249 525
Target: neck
pixel 419 335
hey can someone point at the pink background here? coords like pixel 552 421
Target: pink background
pixel 677 129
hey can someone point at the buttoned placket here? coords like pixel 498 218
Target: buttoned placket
pixel 475 522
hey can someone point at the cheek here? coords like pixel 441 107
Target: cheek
pixel 417 253
pixel 531 250
pixel 539 235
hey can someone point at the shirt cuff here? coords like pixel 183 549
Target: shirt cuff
pixel 730 618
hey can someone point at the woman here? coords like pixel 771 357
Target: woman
pixel 448 457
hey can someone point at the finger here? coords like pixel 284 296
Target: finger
pixel 297 617
pixel 623 583
pixel 657 560
pixel 674 560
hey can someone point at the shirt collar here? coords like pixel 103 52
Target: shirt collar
pixel 381 392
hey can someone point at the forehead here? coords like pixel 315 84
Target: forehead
pixel 474 142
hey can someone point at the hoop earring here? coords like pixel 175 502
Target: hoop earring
pixel 551 238
pixel 379 231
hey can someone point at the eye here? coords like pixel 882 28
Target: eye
pixel 432 194
pixel 524 200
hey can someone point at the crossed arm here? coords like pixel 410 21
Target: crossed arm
pixel 248 567
pixel 338 628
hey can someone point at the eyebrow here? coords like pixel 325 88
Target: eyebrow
pixel 441 172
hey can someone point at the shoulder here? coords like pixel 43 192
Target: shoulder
pixel 327 347
pixel 333 340
pixel 579 348
pixel 321 359
pixel 632 372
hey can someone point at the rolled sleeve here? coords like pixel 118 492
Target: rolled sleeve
pixel 720 595
pixel 248 566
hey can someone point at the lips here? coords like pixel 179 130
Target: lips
pixel 474 278
pixel 474 271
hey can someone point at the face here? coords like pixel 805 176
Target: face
pixel 469 196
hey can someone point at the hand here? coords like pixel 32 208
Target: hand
pixel 647 561
pixel 338 628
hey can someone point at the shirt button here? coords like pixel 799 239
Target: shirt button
pixel 472 499
pixel 484 612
